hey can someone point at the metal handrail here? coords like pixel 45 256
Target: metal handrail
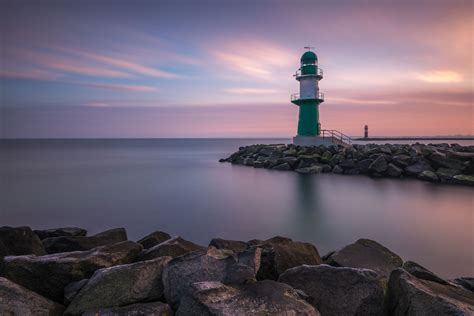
pixel 319 72
pixel 318 95
pixel 336 135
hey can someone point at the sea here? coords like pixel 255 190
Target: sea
pixel 178 186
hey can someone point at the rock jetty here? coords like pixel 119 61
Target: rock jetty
pixel 440 163
pixel 165 275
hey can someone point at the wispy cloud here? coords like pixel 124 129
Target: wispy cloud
pixel 34 74
pixel 250 91
pixel 440 76
pixel 126 65
pixel 119 87
pixel 253 58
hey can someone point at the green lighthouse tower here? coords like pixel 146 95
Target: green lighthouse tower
pixel 308 100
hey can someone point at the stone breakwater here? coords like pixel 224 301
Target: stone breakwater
pixel 65 272
pixel 440 163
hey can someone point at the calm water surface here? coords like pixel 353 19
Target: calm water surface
pixel 179 187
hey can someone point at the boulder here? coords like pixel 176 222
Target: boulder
pixel 338 291
pixel 234 245
pixel 379 165
pixel 284 167
pixel 259 298
pixel 58 232
pixel 408 295
pixel 292 161
pixel 442 161
pixel 208 265
pixel 173 247
pixel 48 275
pixel 417 168
pixel 280 254
pixel 17 300
pixel 366 254
pixel 121 285
pixel 139 309
pixel 465 282
pixel 364 165
pixel 429 176
pixel 71 290
pixel 153 239
pixel 422 273
pixel 401 160
pixel 18 241
pixel 394 171
pixel 337 169
pixel 3 250
pixel 446 175
pixel 308 170
pixel 463 179
pixel 77 243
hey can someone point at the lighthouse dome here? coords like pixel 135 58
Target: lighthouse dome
pixel 309 57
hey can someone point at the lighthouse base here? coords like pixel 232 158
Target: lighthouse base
pixel 313 141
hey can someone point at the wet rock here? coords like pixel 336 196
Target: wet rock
pixel 429 176
pixel 408 295
pixel 348 164
pixel 121 285
pixel 326 157
pixel 417 168
pixel 463 156
pixel 58 232
pixel 401 160
pixel 337 169
pixel 338 291
pixel 208 265
pixel 18 300
pixel 442 161
pixel 20 241
pixel 71 290
pixel 292 161
pixel 465 282
pixel 366 254
pixel 463 179
pixel 284 167
pixel 421 272
pixel 280 254
pixel 234 245
pixel 173 247
pixel 379 165
pixel 394 171
pixel 48 275
pixel 77 243
pixel 308 170
pixel 139 309
pixel 260 298
pixel 364 165
pixel 153 239
pixel 3 250
pixel 446 175
pixel 326 168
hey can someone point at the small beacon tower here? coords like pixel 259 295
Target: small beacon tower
pixel 308 100
pixel 366 131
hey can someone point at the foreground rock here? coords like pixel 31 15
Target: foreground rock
pixel 48 275
pixel 259 298
pixel 121 285
pixel 422 273
pixel 465 282
pixel 139 309
pixel 58 232
pixel 154 239
pixel 173 247
pixel 234 245
pixel 338 291
pixel 17 241
pixel 76 243
pixel 408 295
pixel 208 265
pixel 390 160
pixel 366 254
pixel 17 300
pixel 279 254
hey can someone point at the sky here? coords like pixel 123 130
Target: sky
pixel 225 68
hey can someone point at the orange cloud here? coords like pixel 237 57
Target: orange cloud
pixel 438 76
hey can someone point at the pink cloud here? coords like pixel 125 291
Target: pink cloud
pixel 119 87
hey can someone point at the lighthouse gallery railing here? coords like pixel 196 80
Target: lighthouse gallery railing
pixel 318 95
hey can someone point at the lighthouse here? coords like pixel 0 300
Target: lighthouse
pixel 308 100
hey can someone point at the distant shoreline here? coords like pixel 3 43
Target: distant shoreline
pixel 414 138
